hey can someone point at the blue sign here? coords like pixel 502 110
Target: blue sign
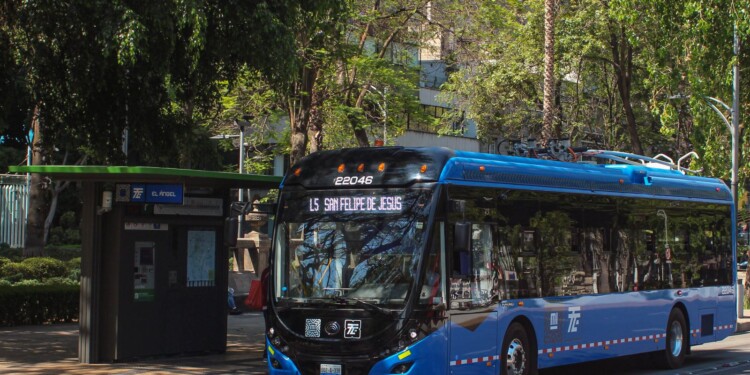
pixel 171 194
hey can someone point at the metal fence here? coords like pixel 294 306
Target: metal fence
pixel 14 203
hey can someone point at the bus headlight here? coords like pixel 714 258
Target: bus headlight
pixel 401 368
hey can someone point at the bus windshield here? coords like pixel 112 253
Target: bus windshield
pixel 349 246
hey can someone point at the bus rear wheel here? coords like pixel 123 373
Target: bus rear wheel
pixel 516 353
pixel 674 354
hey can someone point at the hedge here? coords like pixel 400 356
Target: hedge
pixel 37 304
pixel 38 268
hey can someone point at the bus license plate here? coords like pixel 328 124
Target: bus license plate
pixel 326 369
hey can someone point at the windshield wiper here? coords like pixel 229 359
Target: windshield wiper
pixel 367 305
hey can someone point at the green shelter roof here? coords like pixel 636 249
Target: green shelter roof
pixel 151 175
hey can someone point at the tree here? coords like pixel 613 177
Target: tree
pixel 548 127
pixel 319 33
pixel 93 69
pixel 344 51
pixel 688 54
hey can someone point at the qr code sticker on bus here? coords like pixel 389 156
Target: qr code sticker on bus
pixel 312 327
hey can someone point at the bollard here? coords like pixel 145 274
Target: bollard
pixel 740 299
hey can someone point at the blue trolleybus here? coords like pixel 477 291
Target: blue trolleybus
pixel 396 260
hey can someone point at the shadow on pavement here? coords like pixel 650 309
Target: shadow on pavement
pixel 53 349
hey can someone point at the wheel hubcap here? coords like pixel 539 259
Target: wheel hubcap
pixel 516 358
pixel 675 344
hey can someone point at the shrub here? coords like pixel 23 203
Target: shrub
pixel 37 304
pixel 4 261
pixel 28 282
pixel 68 220
pixel 61 281
pixel 56 236
pixel 74 269
pixel 63 252
pixel 72 236
pixel 40 268
pixel 14 254
pixel 14 270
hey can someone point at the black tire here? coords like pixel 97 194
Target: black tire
pixel 516 355
pixel 677 342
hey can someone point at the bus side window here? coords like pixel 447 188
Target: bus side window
pixel 461 247
pixel 483 279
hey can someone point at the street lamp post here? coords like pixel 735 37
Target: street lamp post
pixel 734 126
pixel 735 114
pixel 241 125
pixel 383 108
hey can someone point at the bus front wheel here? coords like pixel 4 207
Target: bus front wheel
pixel 516 354
pixel 674 354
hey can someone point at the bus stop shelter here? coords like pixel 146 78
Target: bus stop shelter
pixel 155 258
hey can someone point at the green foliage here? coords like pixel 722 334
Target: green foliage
pixel 37 304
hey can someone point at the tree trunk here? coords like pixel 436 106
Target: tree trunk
pixel 57 188
pixel 37 202
pixel 548 111
pixel 300 105
pixel 316 122
pixel 622 58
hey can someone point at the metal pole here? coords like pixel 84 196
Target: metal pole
pixel 242 157
pixel 385 113
pixel 735 116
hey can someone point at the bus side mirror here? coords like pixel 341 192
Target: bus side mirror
pixel 230 231
pixel 462 236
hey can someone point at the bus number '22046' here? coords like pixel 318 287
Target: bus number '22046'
pixel 352 180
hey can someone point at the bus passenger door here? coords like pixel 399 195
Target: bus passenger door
pixel 473 298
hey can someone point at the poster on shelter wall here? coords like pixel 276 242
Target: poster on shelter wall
pixel 144 272
pixel 201 258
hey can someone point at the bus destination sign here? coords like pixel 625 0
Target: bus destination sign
pixel 365 204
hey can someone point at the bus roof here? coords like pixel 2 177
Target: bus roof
pixel 404 166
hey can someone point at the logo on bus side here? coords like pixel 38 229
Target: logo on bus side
pixel 556 324
pixel 574 314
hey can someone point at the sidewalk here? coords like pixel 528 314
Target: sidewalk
pixel 53 349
